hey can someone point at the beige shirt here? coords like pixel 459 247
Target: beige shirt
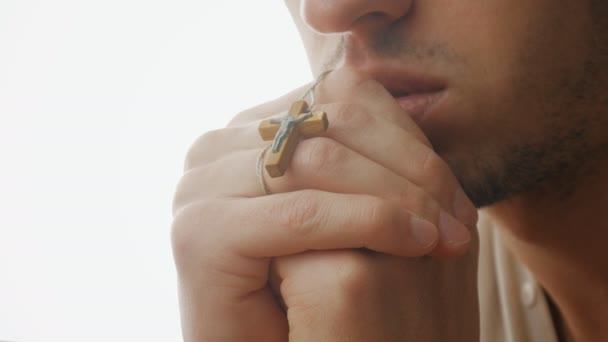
pixel 513 307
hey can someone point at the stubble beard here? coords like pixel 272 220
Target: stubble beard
pixel 572 112
pixel 571 142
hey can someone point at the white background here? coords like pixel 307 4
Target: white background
pixel 99 101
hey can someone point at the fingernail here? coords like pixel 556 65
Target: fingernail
pixel 463 209
pixel 453 231
pixel 423 231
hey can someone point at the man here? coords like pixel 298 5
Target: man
pixel 369 235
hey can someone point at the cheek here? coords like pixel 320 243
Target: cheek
pixel 517 53
pixel 515 46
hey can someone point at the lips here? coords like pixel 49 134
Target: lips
pixel 418 104
pixel 416 93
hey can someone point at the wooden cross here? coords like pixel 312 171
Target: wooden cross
pixel 287 132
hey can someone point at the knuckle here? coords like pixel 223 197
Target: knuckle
pixel 250 115
pixel 372 89
pixel 180 195
pixel 433 165
pixel 321 154
pixel 355 275
pixel 188 188
pixel 262 110
pixel 243 116
pixel 349 115
pixel 350 76
pixel 437 175
pixel 182 228
pixel 199 151
pixel 420 202
pixel 299 214
pixel 305 303
pixel 189 229
pixel 381 214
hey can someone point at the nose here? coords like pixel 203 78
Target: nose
pixel 338 16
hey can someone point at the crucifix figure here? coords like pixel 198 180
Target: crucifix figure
pixel 286 124
pixel 287 132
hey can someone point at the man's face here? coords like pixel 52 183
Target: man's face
pixel 519 85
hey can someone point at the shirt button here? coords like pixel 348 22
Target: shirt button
pixel 529 294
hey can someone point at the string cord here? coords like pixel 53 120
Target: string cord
pixel 311 91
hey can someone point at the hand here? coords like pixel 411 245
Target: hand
pixel 357 295
pixel 225 234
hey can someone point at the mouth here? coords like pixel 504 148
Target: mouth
pixel 415 93
pixel 418 104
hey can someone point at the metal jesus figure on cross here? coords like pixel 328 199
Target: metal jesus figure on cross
pixel 286 124
pixel 287 132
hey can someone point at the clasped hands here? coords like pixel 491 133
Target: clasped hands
pixel 367 237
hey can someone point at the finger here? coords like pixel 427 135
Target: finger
pixel 352 126
pixel 322 163
pixel 401 152
pixel 346 85
pixel 217 144
pixel 241 133
pixel 342 85
pixel 291 223
pixel 318 163
pixel 369 105
pixel 270 108
pixel 233 175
